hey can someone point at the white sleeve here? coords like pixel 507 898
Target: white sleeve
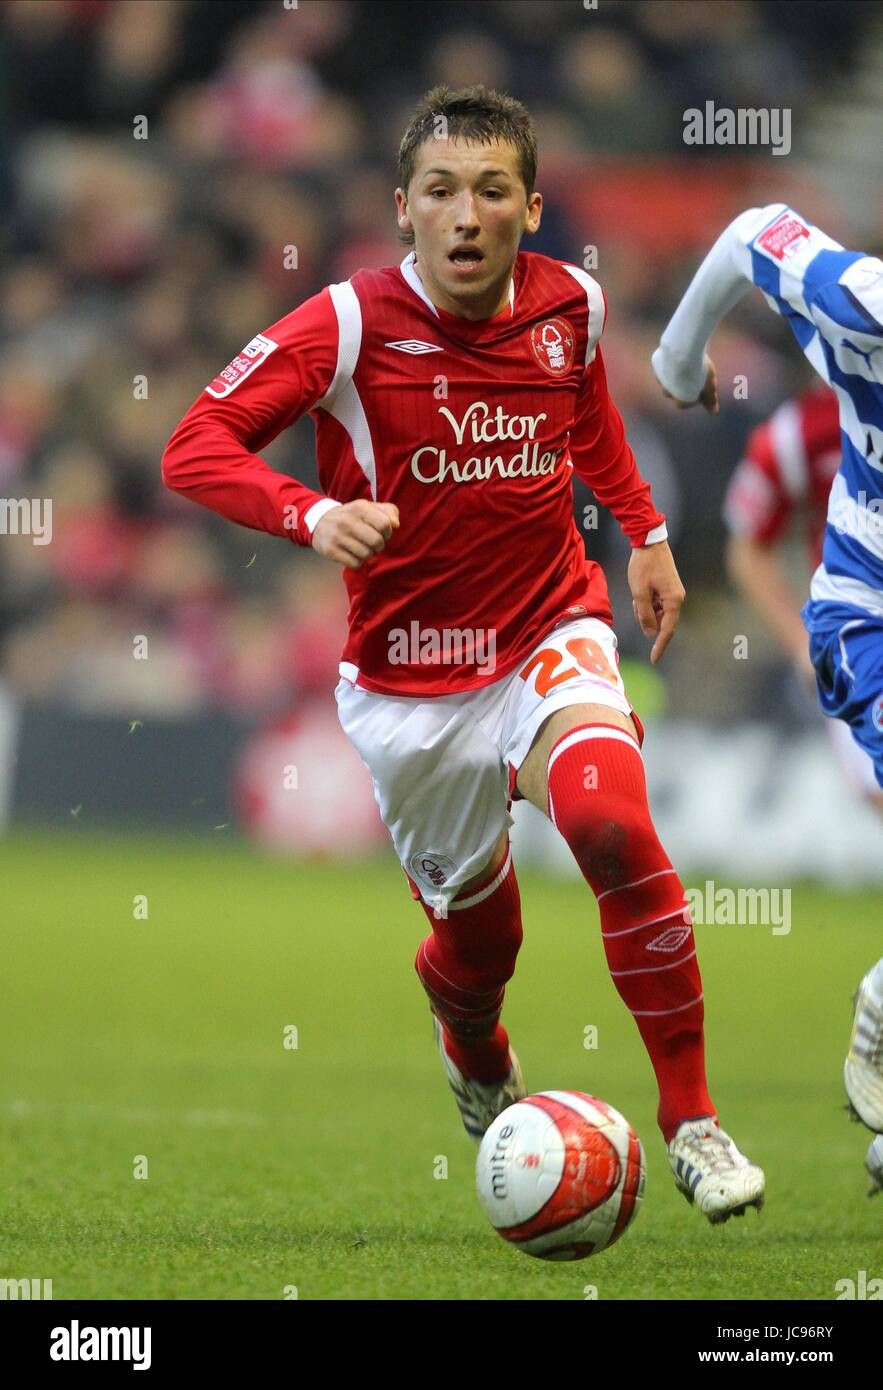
pixel 680 361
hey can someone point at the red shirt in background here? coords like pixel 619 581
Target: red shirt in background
pixel 788 465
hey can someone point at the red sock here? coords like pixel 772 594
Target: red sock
pixel 464 965
pixel 598 801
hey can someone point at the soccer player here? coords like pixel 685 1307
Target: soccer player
pixel 833 301
pixel 787 468
pixel 452 395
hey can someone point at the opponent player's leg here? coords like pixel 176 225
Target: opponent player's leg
pixel 874 1166
pixel 863 1068
pixel 848 659
pixel 857 764
pixel 585 771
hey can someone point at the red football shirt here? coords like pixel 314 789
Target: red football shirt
pixel 470 428
pixel 788 465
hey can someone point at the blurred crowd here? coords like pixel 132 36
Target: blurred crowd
pixel 157 160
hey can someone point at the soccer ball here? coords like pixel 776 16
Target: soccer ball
pixel 560 1175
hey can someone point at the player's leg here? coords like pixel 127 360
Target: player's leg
pixel 874 1166
pixel 464 964
pixel 863 1068
pixel 856 762
pixel 848 659
pixel 572 742
pixel 442 793
pixel 585 771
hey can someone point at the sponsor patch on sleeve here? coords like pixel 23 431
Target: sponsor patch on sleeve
pixel 783 236
pixel 243 364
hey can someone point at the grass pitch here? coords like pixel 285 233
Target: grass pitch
pixel 273 1168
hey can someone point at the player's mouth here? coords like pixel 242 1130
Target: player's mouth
pixel 466 259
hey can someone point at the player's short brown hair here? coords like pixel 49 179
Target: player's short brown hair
pixel 472 113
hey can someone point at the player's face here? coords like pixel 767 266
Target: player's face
pixel 468 209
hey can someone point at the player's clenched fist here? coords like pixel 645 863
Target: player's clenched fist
pixel 351 533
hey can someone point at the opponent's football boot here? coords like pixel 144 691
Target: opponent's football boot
pixel 874 1166
pixel 863 1068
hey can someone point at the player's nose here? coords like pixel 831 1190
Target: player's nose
pixel 466 213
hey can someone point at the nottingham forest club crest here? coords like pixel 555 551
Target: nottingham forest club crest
pixel 429 867
pixel 552 342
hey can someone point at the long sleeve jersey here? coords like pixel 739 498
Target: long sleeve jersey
pixel 471 428
pixel 832 299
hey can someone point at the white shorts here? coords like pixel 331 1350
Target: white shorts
pixel 444 766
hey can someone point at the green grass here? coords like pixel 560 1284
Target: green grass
pixel 314 1167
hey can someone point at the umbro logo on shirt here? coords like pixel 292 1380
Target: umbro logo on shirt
pixel 413 346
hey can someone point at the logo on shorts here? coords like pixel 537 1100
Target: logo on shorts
pixel 432 868
pixel 877 714
pixel 552 344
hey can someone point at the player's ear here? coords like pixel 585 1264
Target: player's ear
pixel 402 217
pixel 533 215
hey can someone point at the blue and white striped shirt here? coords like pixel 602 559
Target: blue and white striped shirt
pixel 833 301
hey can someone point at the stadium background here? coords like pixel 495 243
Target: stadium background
pixel 138 267
pixel 130 263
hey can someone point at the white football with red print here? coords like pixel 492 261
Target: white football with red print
pixel 560 1175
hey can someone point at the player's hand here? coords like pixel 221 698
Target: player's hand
pixel 351 533
pixel 708 398
pixel 657 594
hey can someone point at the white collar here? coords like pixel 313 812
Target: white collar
pixel 411 278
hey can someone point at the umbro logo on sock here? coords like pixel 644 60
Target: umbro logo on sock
pixel 669 940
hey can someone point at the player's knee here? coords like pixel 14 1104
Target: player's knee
pixel 612 838
pixel 488 871
pixel 478 942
